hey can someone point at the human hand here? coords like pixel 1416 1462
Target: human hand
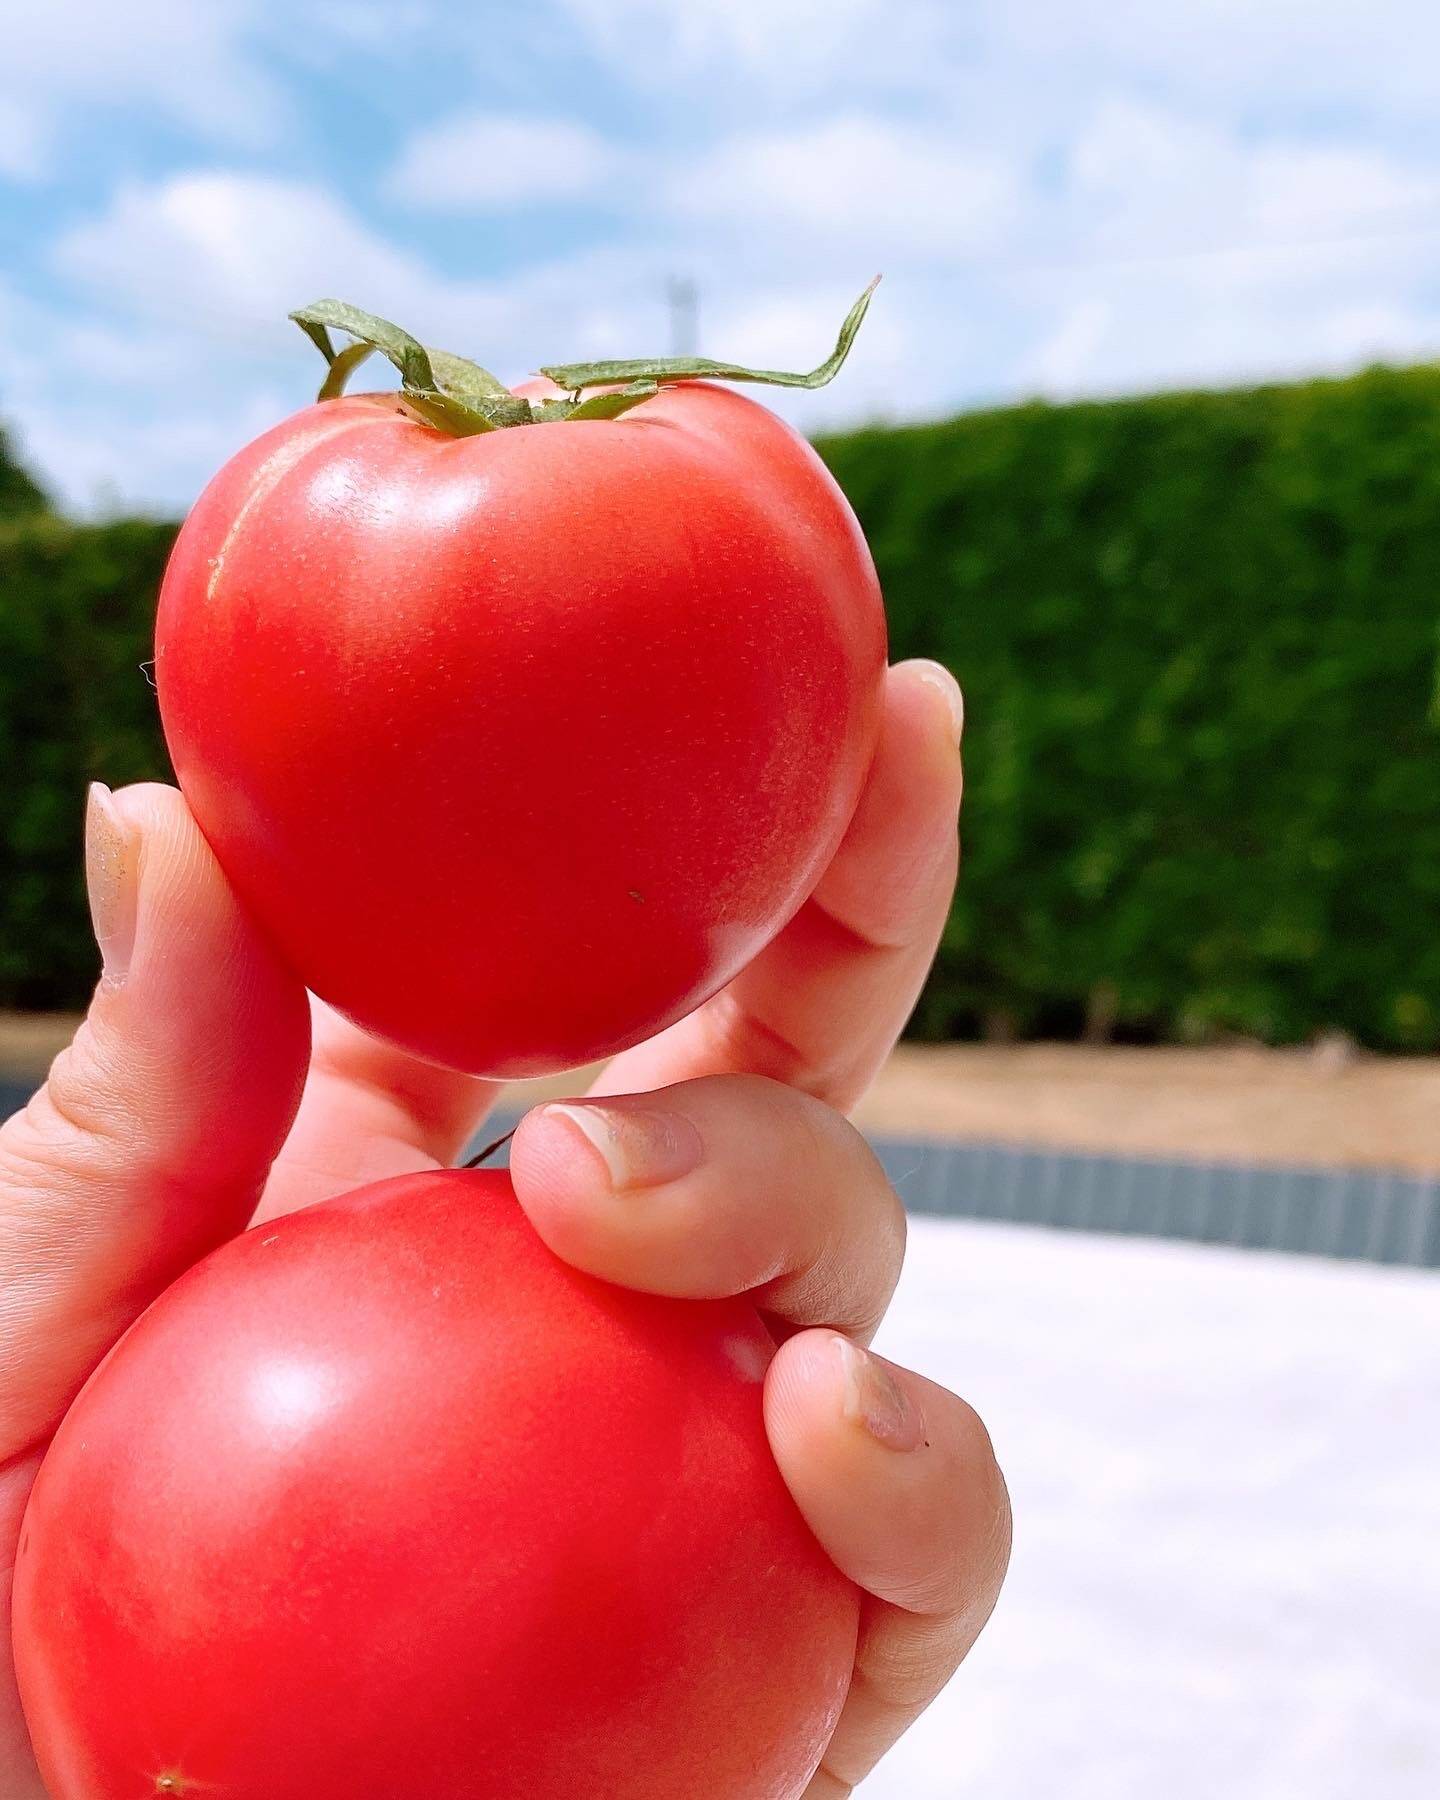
pixel 161 1130
pixel 740 1175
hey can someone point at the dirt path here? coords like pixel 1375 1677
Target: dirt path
pixel 1242 1104
pixel 29 1040
pixel 1236 1104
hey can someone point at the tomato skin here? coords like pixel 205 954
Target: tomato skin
pixel 521 745
pixel 381 1498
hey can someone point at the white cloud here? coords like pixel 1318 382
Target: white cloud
pixel 1340 188
pixel 780 46
pixel 186 62
pixel 1375 330
pixel 228 254
pixel 1283 54
pixel 126 414
pixel 134 462
pixel 878 188
pixel 1064 360
pixel 1240 317
pixel 1186 248
pixel 222 256
pixel 480 162
pixel 1158 179
pixel 1028 64
pixel 375 25
pixel 232 253
pixel 178 348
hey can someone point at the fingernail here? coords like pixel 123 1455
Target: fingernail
pixel 875 1401
pixel 112 875
pixel 640 1146
pixel 937 676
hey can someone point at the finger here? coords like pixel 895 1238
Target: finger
pixel 821 1008
pixel 725 1185
pixel 370 1111
pixel 898 1481
pixel 150 1141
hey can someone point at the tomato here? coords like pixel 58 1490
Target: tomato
pixel 521 744
pixel 383 1499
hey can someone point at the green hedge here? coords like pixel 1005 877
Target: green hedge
pixel 20 494
pixel 77 608
pixel 1198 637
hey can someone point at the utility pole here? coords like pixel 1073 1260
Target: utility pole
pixel 684 298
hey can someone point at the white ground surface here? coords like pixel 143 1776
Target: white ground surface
pixel 1226 1475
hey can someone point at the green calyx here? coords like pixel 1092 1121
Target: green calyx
pixel 460 397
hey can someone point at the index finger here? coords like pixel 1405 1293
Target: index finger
pixel 728 1185
pixel 821 1008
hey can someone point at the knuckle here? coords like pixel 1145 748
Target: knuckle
pixel 85 1129
pixel 64 1129
pixel 907 1660
pixel 75 1108
pixel 742 1039
pixel 827 1785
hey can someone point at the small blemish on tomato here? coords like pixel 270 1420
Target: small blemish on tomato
pixel 637 896
pixel 173 1782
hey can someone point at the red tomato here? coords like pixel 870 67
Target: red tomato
pixel 521 745
pixel 383 1499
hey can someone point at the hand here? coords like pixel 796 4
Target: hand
pixel 171 1122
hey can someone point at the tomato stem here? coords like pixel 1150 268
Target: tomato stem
pixel 483 1156
pixel 460 397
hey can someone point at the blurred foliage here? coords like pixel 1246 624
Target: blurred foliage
pixel 1197 635
pixel 77 607
pixel 1198 639
pixel 20 494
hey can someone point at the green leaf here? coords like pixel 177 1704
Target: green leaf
pixel 505 409
pixel 342 368
pixel 407 353
pixel 688 368
pixel 610 406
pixel 466 380
pixel 458 396
pixel 449 415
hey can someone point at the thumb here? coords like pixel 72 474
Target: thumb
pixel 150 1141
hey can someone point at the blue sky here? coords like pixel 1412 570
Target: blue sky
pixel 1063 199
